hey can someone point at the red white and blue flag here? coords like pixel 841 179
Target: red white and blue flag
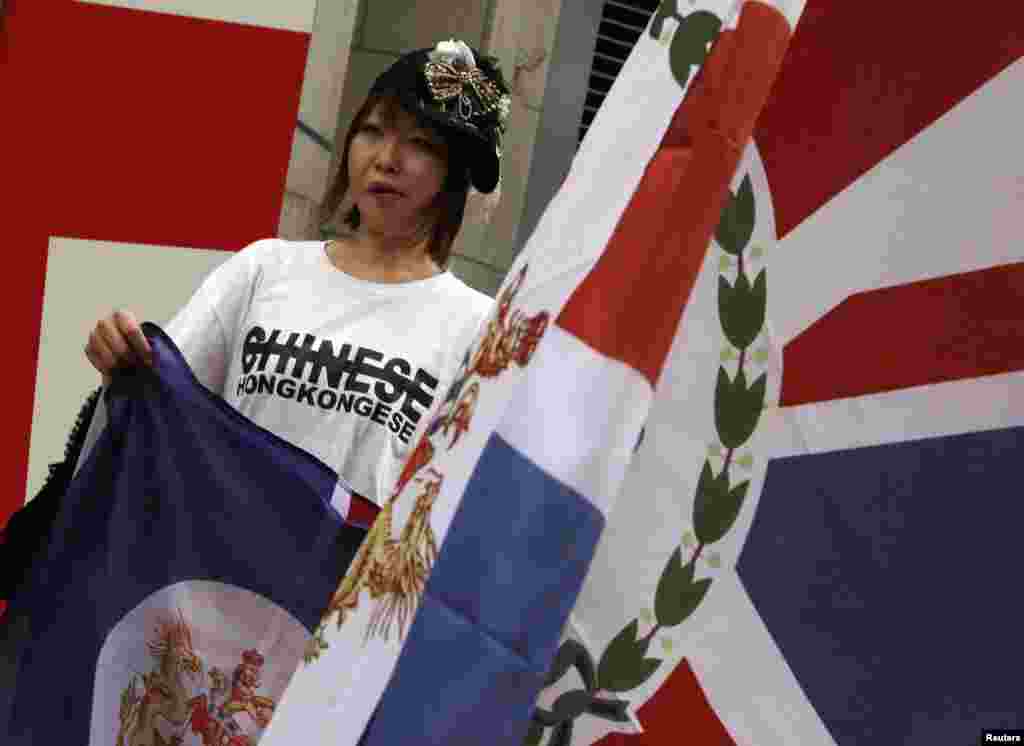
pixel 448 622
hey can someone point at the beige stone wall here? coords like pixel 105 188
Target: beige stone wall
pixel 323 85
pixel 521 36
pixel 520 33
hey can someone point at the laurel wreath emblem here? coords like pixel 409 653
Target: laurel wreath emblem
pixel 738 403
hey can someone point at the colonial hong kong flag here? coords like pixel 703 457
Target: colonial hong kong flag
pixel 817 541
pixel 523 461
pixel 190 559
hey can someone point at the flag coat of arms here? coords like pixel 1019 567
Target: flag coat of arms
pixel 190 559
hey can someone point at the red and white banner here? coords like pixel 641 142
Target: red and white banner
pixel 141 141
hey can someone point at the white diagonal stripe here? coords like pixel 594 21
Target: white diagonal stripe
pixel 948 201
pixel 951 408
pixel 746 680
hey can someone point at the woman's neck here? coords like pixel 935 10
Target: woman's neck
pixel 376 258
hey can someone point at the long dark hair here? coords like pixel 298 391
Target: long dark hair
pixel 27 532
pixel 452 198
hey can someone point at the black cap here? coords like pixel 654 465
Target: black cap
pixel 462 92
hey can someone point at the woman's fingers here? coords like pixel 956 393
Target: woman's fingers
pixel 99 352
pixel 117 341
pixel 114 339
pixel 97 362
pixel 134 336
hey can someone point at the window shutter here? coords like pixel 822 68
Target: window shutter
pixel 622 22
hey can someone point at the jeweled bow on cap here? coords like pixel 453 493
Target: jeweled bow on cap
pixel 452 76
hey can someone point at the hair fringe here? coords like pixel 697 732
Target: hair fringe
pixel 454 193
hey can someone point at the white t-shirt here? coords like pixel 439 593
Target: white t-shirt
pixel 346 369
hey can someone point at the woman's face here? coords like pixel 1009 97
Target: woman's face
pixel 396 170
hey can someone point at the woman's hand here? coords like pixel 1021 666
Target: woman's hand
pixel 117 341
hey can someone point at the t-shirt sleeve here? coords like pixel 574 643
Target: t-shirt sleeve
pixel 481 306
pixel 205 328
pixel 474 310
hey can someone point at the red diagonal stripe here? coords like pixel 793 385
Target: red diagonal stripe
pixel 629 305
pixel 677 713
pixel 131 126
pixel 860 79
pixel 945 329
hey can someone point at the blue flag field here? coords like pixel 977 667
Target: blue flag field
pixel 192 556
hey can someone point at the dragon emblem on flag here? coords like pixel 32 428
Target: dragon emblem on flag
pixel 394 570
pixel 158 700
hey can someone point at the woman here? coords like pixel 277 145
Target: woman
pixel 341 347
pixel 344 347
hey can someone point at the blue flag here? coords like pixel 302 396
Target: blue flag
pixel 190 559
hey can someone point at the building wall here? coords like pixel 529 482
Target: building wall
pixel 520 33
